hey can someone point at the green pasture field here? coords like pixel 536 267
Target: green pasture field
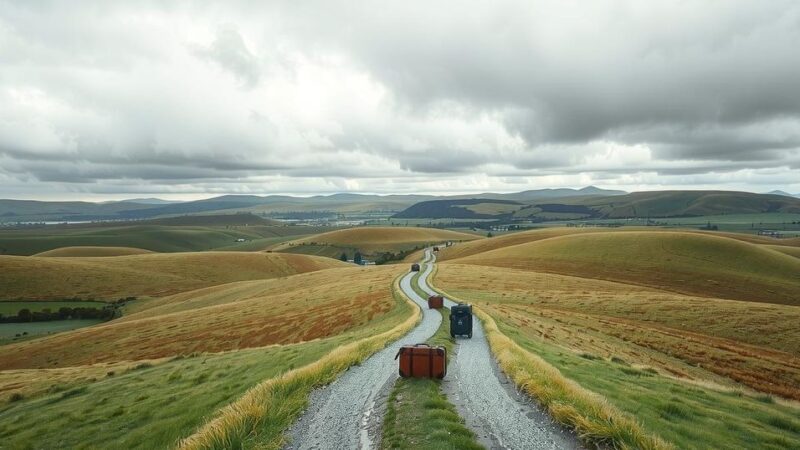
pixel 691 417
pixel 9 331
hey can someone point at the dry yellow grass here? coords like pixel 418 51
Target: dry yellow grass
pixel 791 251
pixel 687 263
pixel 242 315
pixel 91 251
pixel 692 338
pixel 278 401
pixel 484 245
pixel 378 239
pixel 156 274
pixel 522 237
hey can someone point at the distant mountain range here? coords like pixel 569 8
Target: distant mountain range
pixel 148 201
pixel 784 193
pixel 653 204
pixel 542 204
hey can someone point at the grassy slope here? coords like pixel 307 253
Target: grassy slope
pixel 157 238
pixel 260 417
pixel 483 245
pixel 688 263
pixel 689 416
pixel 693 338
pixel 153 407
pixel 420 416
pixel 691 203
pixel 370 240
pixel 107 278
pixel 297 308
pixel 88 251
pixel 670 360
pixel 154 237
pixel 792 251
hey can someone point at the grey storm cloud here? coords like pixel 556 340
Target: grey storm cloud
pixel 477 95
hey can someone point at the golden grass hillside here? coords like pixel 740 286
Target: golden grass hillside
pixel 688 263
pixel 92 251
pixel 381 239
pixel 484 245
pixel 157 274
pixel 295 309
pixel 690 337
pixel 791 251
pixel 522 237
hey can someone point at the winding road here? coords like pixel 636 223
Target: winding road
pixel 348 413
pixel 500 416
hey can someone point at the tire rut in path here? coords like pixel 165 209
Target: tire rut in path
pixel 348 413
pixel 500 416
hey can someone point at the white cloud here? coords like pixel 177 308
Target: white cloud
pixel 193 98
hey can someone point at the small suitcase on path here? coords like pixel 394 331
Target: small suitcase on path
pixel 435 302
pixel 422 361
pixel 461 320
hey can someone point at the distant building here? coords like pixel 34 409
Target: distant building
pixel 770 233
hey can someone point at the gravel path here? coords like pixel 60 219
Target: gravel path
pixel 488 401
pixel 348 413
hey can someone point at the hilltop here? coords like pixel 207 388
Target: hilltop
pixel 155 274
pixel 372 240
pixel 688 263
pixel 655 204
pixel 92 251
pixel 233 316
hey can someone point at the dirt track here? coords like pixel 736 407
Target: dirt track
pixel 348 413
pixel 500 416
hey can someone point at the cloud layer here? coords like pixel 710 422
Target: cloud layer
pixel 309 97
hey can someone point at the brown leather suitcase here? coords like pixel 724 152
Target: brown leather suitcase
pixel 422 361
pixel 435 302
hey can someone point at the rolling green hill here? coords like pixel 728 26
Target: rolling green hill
pixel 371 241
pixel 688 203
pixel 176 234
pixel 656 204
pixel 154 274
pixel 689 263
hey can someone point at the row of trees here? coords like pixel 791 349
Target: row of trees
pixel 380 258
pixel 357 257
pixel 26 315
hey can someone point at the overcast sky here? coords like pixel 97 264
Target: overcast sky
pixel 105 99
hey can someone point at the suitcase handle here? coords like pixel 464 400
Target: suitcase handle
pixel 415 345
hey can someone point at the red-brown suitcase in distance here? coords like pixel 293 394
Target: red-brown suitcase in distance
pixel 422 361
pixel 435 302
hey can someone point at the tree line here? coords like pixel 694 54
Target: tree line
pixel 106 312
pixel 25 315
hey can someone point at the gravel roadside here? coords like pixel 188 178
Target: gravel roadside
pixel 348 413
pixel 500 416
